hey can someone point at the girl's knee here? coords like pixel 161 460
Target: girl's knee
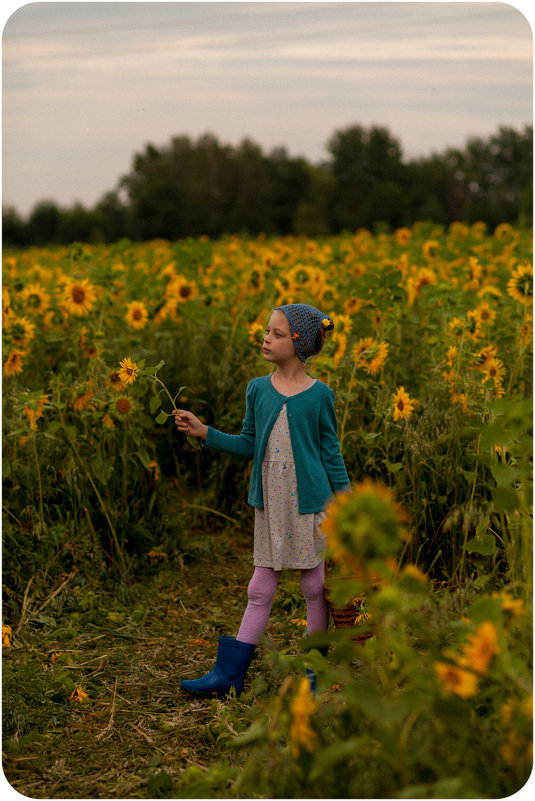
pixel 312 582
pixel 261 589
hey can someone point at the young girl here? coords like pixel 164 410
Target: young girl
pixel 290 432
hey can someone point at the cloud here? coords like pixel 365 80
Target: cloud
pixel 96 81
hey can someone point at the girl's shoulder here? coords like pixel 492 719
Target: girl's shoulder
pixel 326 390
pixel 258 382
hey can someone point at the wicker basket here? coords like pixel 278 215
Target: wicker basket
pixel 346 617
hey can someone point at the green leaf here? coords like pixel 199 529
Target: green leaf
pixel 162 418
pixel 72 431
pixel 484 544
pixel 257 731
pixel 194 442
pixel 155 403
pixel 505 499
pixel 393 467
pixel 505 474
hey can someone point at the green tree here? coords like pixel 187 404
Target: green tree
pixel 366 166
pixel 43 226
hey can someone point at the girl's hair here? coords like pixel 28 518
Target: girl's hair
pixel 320 341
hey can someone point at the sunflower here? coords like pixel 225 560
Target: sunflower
pixel 34 414
pixel 494 368
pixel 352 305
pixel 456 680
pixel 343 323
pixel 403 236
pixel 473 327
pixel 254 280
pixel 403 404
pixel 256 333
pixel 128 371
pixel 84 400
pixel 114 381
pixel 341 339
pixel 35 298
pixel 303 708
pixel 480 359
pixel 123 405
pixel 430 249
pixel 78 296
pixel 22 331
pixel 485 313
pixel 475 271
pixel 167 309
pixel 482 645
pixel 452 353
pixel 525 331
pixel 460 399
pixel 456 327
pixel 520 285
pixel 181 290
pixel 13 364
pixel 371 354
pixel 503 232
pixel 136 314
pixel 6 635
pixel 458 230
pixel 154 469
pixel 363 524
pixel 6 304
pixel 423 277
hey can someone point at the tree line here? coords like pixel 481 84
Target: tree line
pixel 204 187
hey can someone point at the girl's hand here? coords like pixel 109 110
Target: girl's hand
pixel 189 424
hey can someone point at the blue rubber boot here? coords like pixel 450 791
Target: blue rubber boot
pixel 232 664
pixel 310 673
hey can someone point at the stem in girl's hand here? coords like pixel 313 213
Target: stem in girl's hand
pixel 156 403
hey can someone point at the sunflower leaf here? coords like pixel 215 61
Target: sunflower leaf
pixel 162 418
pixel 155 403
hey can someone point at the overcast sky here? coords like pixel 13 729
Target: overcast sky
pixel 88 85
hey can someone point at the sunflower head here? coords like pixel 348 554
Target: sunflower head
pixel 403 404
pixel 520 285
pixel 364 526
pixel 79 296
pixel 128 371
pixel 137 314
pixel 123 405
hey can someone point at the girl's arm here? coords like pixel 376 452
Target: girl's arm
pixel 240 444
pixel 331 455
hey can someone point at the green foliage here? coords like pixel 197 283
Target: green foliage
pixel 205 187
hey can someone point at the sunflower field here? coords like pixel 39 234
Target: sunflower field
pixel 431 364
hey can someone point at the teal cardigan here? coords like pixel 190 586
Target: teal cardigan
pixel 319 465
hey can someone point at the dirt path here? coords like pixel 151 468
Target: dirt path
pixel 136 732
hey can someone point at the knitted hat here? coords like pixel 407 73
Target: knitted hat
pixel 305 322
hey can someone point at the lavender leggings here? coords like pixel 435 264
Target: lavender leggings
pixel 261 591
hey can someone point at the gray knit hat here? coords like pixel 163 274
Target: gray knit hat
pixel 305 322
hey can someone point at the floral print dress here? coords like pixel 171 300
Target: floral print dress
pixel 282 536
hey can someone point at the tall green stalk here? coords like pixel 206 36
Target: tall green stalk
pixel 41 512
pixel 117 547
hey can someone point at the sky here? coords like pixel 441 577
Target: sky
pixel 86 86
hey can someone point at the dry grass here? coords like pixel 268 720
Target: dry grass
pixel 137 733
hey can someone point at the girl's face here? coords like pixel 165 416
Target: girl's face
pixel 278 347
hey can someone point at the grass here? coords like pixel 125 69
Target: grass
pixel 128 647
